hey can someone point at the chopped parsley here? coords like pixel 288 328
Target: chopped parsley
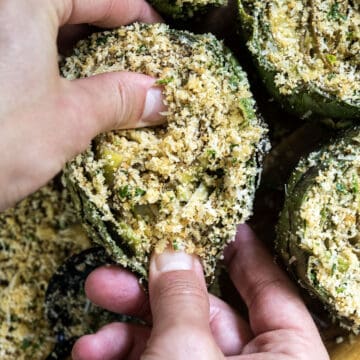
pixel 340 289
pixel 355 185
pixel 26 343
pixel 343 265
pixel 141 49
pixel 334 12
pixel 140 192
pixel 165 81
pixel 234 82
pixel 101 40
pixel 332 59
pixel 124 192
pixel 341 188
pixel 211 153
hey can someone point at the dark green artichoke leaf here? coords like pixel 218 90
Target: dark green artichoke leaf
pixel 307 53
pixel 183 9
pixel 68 310
pixel 318 232
pixel 185 184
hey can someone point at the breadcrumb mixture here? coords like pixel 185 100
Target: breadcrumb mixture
pixel 35 237
pixel 313 42
pixel 187 183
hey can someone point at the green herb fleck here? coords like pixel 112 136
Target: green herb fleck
pixel 101 40
pixel 211 153
pixel 313 278
pixel 165 81
pixel 141 49
pixel 340 289
pixel 355 184
pixel 175 245
pixel 323 214
pixel 234 82
pixel 247 108
pixel 341 188
pixel 331 58
pixel 333 269
pixel 350 36
pixel 124 192
pixel 334 13
pixel 26 343
pixel 343 265
pixel 140 192
pixel 13 317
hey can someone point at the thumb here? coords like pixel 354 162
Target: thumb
pixel 89 106
pixel 62 123
pixel 115 100
pixel 180 308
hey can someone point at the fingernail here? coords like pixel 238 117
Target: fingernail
pixel 153 106
pixel 173 261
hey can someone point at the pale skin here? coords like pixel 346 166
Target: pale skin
pixel 188 323
pixel 46 120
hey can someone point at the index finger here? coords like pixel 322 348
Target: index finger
pixel 271 298
pixel 105 13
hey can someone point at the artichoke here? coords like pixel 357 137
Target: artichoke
pixel 184 8
pixel 318 235
pixel 184 184
pixel 35 238
pixel 68 310
pixel 307 52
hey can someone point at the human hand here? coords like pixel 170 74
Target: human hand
pixel 46 120
pixel 188 323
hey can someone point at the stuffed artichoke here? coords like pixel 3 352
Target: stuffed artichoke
pixel 308 53
pixel 35 238
pixel 184 184
pixel 319 227
pixel 184 8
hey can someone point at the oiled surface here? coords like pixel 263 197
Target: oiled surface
pixel 347 350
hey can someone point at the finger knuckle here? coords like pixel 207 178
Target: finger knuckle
pixel 107 11
pixel 189 340
pixel 144 11
pixel 262 288
pixel 176 287
pixel 63 9
pixel 74 122
pixel 122 104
